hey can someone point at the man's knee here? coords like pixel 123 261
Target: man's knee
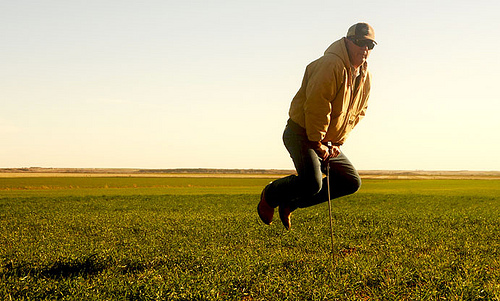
pixel 353 184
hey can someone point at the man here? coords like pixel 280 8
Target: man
pixel 331 101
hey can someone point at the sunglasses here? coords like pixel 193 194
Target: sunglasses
pixel 364 43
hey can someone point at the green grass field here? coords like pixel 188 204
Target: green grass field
pixel 201 239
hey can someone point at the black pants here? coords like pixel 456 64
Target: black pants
pixel 309 187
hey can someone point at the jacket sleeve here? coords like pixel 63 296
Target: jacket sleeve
pixel 322 86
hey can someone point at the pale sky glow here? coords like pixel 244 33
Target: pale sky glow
pixel 188 84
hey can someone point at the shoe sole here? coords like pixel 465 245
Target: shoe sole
pixel 286 222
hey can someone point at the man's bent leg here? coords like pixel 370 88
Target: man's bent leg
pixel 344 180
pixel 308 180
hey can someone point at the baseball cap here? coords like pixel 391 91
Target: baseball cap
pixel 361 31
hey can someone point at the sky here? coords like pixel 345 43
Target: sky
pixel 208 84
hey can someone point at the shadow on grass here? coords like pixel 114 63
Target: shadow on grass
pixel 69 268
pixel 61 268
pixel 85 267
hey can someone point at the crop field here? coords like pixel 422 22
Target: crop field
pixel 131 238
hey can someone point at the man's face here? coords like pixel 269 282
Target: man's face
pixel 359 51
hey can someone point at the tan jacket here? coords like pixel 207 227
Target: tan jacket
pixel 331 101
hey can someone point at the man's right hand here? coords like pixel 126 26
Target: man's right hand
pixel 323 151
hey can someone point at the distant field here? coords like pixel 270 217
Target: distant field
pixel 234 173
pixel 137 238
pixel 69 186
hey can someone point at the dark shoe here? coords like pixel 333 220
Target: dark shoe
pixel 266 212
pixel 285 214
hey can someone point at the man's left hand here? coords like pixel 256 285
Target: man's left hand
pixel 334 151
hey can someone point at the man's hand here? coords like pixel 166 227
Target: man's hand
pixel 324 152
pixel 334 151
